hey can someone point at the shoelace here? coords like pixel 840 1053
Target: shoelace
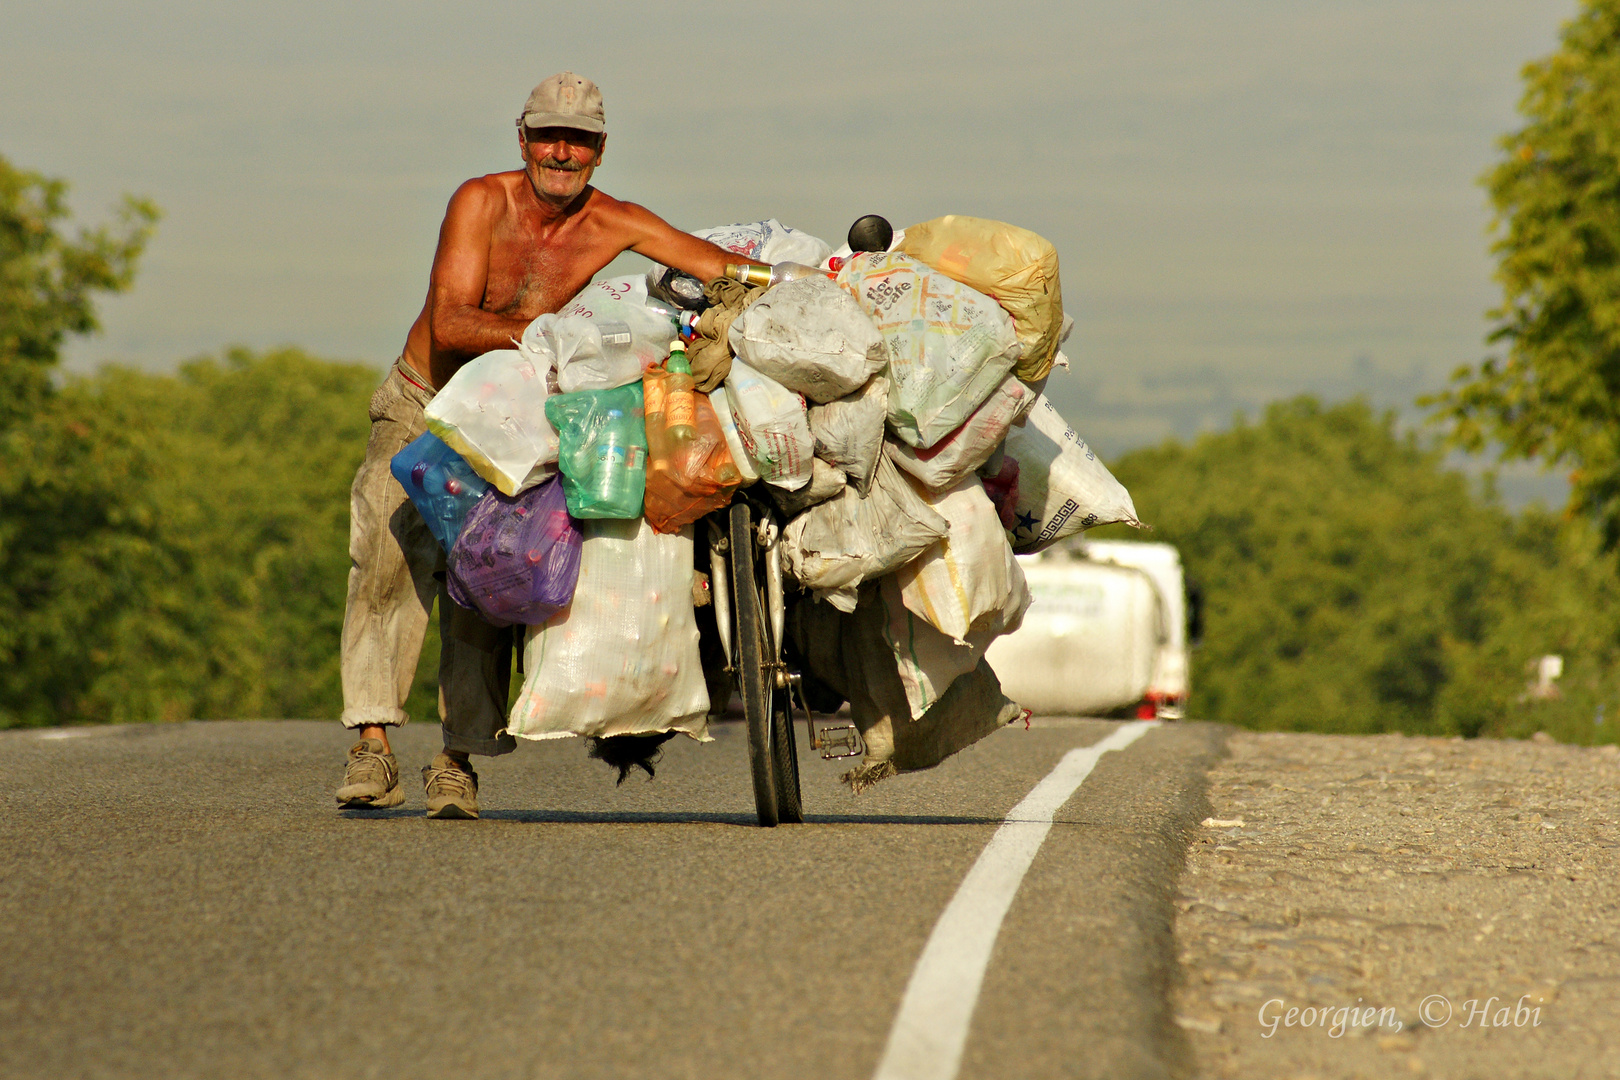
pixel 459 782
pixel 367 765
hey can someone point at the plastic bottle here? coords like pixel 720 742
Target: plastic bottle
pixel 749 274
pixel 618 476
pixel 680 405
pixel 687 323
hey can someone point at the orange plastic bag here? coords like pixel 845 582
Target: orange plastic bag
pixel 685 478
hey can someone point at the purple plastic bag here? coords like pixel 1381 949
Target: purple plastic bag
pixel 517 558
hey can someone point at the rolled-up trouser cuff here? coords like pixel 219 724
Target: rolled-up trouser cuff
pixel 381 715
pixel 466 744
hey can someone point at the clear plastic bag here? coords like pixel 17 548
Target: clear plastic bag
pixel 517 559
pixel 602 450
pixel 440 483
pixel 810 336
pixel 606 336
pixel 623 657
pixel 773 426
pixel 949 346
pixel 493 413
pixel 686 478
pixel 943 465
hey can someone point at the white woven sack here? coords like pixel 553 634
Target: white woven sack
pixel 622 659
pixel 927 659
pixel 849 431
pixel 969 580
pixel 949 346
pixel 835 545
pixel 810 336
pixel 774 429
pixel 1062 487
pixel 958 454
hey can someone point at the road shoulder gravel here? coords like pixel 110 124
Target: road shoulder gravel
pixel 1427 906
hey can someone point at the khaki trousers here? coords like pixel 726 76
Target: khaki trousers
pixel 396 572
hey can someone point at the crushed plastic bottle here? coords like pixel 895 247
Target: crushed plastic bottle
pixel 749 274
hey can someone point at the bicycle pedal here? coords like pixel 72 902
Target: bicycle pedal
pixel 843 737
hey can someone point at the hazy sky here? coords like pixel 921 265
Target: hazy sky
pixel 1249 198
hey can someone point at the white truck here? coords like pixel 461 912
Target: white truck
pixel 1109 629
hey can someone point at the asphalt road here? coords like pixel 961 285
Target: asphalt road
pixel 185 901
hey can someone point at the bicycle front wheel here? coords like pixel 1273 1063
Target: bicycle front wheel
pixel 754 679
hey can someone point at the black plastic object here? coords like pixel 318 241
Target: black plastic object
pixel 677 287
pixel 870 233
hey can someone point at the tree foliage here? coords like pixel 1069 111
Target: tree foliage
pixel 1554 394
pixel 1353 584
pixel 48 282
pixel 183 542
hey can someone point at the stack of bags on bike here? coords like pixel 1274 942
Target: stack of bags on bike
pixel 890 407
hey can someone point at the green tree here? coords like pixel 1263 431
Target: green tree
pixel 48 282
pixel 183 542
pixel 1353 584
pixel 171 546
pixel 1554 393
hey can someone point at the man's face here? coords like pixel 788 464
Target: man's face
pixel 560 161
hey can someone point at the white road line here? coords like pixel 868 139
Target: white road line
pixel 932 1026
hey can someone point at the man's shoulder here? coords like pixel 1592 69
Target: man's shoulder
pixel 617 212
pixel 492 188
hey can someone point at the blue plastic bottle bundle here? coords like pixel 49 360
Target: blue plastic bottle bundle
pixel 440 483
pixel 517 559
pixel 603 450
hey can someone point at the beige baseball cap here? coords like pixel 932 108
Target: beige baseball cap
pixel 564 100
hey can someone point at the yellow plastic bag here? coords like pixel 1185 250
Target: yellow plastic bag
pixel 1017 267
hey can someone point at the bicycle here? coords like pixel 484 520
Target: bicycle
pixel 745 549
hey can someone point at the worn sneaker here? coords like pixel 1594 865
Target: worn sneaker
pixel 371 780
pixel 452 788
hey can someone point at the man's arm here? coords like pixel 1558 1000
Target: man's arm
pixel 460 274
pixel 662 242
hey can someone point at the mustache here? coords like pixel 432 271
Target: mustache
pixel 566 165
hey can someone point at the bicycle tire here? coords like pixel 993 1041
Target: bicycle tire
pixel 785 758
pixel 752 676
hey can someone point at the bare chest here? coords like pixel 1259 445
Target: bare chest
pixel 532 272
